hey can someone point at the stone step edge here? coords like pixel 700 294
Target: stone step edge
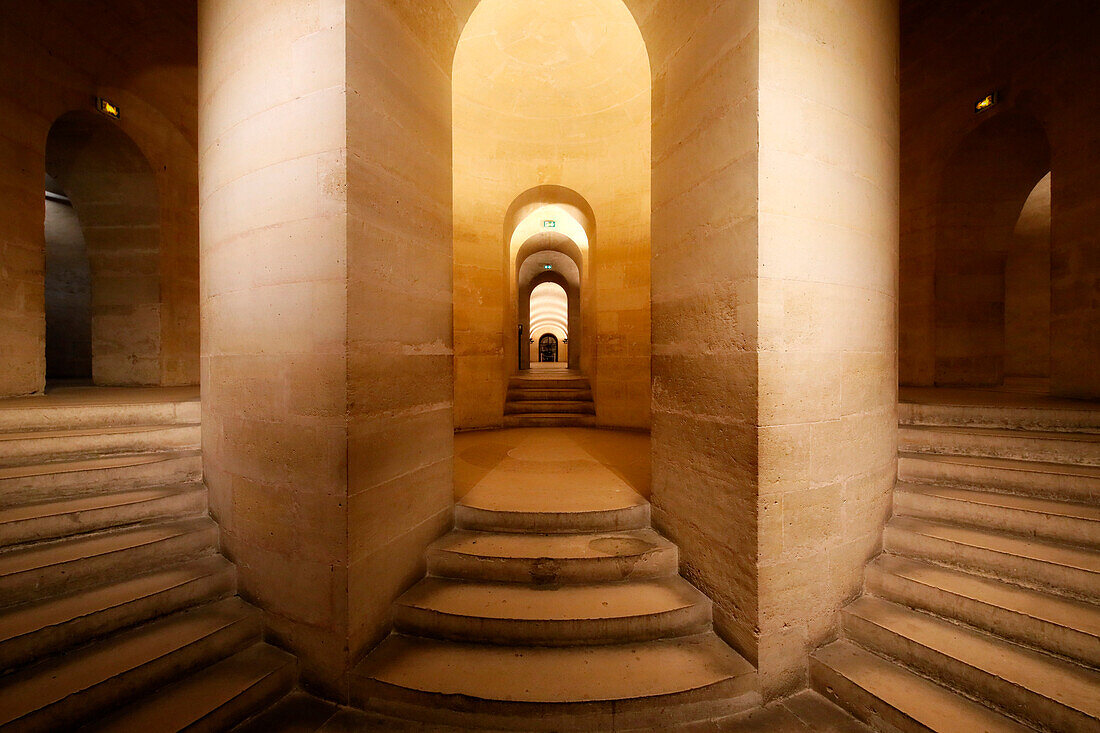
pixel 827 668
pixel 52 433
pixel 1079 471
pixel 67 463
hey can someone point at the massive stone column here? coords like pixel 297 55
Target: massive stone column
pixel 326 358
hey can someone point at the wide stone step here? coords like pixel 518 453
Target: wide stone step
pixel 1053 480
pixel 1069 522
pixel 213 699
pixel 1065 417
pixel 515 517
pixel 1027 445
pixel 113 410
pixel 24 448
pixel 523 383
pixel 50 481
pixel 550 420
pixel 511 613
pixel 1062 569
pixel 549 559
pixel 54 519
pixel 547 407
pixel 35 630
pixel 657 685
pixel 32 572
pixel 519 395
pixel 1037 688
pixel 889 697
pixel 82 685
pixel 1060 625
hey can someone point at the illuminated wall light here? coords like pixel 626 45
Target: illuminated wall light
pixel 108 107
pixel 548 267
pixel 986 102
pixel 549 224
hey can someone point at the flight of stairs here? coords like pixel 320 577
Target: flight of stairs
pixel 549 398
pixel 981 614
pixel 116 610
pixel 554 620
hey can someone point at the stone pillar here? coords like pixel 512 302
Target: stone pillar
pixel 326 292
pixel 827 316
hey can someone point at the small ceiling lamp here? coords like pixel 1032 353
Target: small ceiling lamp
pixel 986 102
pixel 108 108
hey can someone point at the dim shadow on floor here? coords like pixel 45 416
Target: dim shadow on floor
pixel 299 712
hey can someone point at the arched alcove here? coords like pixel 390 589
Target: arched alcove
pixel 551 133
pixel 68 291
pixel 1027 292
pixel 113 192
pixel 985 185
pixel 549 315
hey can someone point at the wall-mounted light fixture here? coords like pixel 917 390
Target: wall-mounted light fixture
pixel 549 224
pixel 986 102
pixel 108 108
pixel 548 267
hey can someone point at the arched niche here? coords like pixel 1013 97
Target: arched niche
pixel 573 328
pixel 1027 291
pixel 114 194
pixel 985 184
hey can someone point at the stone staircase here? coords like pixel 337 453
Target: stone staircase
pixel 549 398
pixel 981 614
pixel 116 610
pixel 542 618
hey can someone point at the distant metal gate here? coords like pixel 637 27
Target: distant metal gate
pixel 548 348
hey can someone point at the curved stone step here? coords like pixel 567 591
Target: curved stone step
pixel 1064 416
pixel 81 685
pixel 25 448
pixel 549 382
pixel 107 407
pixel 549 420
pixel 511 613
pixel 1059 568
pixel 30 573
pixel 51 481
pixel 35 630
pixel 655 685
pixel 213 699
pixel 1025 445
pixel 549 407
pixel 1070 522
pixel 556 394
pixel 1052 623
pixel 1053 480
pixel 548 559
pixel 505 518
pixel 1038 688
pixel 889 697
pixel 54 519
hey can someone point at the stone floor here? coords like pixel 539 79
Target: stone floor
pixel 299 712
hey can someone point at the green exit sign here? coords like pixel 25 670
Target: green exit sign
pixel 549 224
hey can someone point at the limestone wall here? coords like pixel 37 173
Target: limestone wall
pixel 828 253
pixel 58 57
pixel 1039 57
pixel 274 314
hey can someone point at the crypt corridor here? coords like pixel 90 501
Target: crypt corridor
pixel 729 365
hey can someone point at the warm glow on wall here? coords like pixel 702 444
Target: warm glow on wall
pixel 564 223
pixel 549 311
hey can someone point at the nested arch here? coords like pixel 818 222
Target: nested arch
pixel 985 185
pixel 113 191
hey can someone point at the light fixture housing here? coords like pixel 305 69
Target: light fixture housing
pixel 108 108
pixel 986 102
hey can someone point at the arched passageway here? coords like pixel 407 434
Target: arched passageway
pixel 549 323
pixel 113 193
pixel 68 291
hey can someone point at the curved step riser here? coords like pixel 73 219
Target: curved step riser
pixel 29 450
pixel 41 642
pixel 106 696
pixel 49 486
pixel 1037 483
pixel 549 421
pixel 549 408
pixel 657 713
pixel 74 417
pixel 567 632
pixel 1018 701
pixel 1075 531
pixel 526 383
pixel 1035 573
pixel 1020 418
pixel 552 395
pixel 1019 627
pixel 661 562
pixel 1052 450
pixel 185 504
pixel 483 520
pixel 62 577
